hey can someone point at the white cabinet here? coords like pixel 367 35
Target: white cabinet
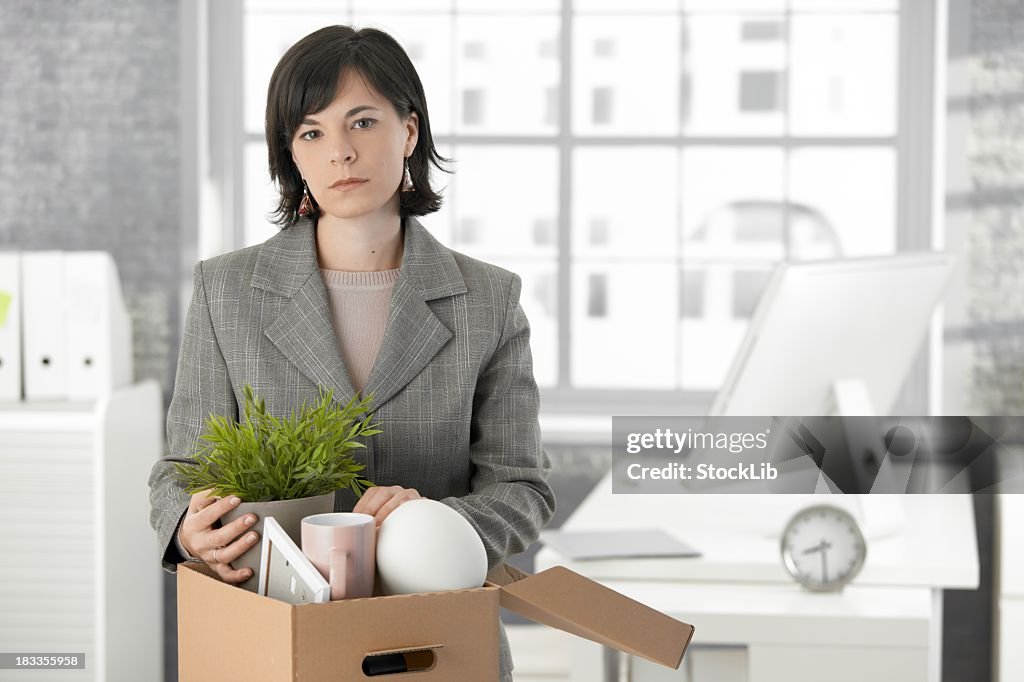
pixel 79 569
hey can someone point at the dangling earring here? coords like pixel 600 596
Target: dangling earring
pixel 306 206
pixel 407 185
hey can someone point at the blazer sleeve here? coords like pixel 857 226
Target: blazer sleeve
pixel 510 499
pixel 201 387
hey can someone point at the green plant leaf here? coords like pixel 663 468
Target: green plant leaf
pixel 263 457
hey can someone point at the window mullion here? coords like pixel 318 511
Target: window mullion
pixel 565 174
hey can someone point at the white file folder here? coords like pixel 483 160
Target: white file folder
pixel 10 326
pixel 98 330
pixel 42 318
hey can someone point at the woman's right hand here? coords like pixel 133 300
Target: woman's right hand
pixel 218 547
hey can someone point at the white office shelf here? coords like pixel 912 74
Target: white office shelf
pixel 78 565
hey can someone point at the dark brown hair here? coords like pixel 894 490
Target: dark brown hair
pixel 307 79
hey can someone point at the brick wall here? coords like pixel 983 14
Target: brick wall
pixel 89 148
pixel 995 239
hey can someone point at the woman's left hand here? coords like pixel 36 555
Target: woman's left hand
pixel 379 501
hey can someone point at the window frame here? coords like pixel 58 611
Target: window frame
pixel 214 141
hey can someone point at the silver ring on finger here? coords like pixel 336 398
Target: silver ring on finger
pixel 215 559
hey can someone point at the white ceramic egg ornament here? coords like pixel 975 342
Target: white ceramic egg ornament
pixel 426 546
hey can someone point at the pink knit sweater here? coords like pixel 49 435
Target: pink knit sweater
pixel 360 302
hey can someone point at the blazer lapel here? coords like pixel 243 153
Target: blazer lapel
pixel 414 334
pixel 287 265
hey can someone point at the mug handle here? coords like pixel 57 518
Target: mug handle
pixel 338 571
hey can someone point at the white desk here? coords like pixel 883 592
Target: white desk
pixel 752 618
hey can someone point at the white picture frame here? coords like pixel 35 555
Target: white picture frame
pixel 286 573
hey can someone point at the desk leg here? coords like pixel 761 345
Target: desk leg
pixel 612 663
pixel 935 638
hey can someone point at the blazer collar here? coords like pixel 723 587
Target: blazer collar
pixel 287 265
pixel 287 260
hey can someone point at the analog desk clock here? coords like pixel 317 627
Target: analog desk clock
pixel 823 548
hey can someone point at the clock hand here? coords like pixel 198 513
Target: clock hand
pixel 824 568
pixel 818 547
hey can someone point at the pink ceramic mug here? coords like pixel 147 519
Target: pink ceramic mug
pixel 342 546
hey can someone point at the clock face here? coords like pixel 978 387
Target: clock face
pixel 823 548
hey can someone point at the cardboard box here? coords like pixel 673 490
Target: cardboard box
pixel 226 633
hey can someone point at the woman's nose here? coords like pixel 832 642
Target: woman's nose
pixel 343 151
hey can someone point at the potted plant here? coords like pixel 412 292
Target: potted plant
pixel 285 468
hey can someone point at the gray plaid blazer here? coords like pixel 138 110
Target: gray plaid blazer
pixel 453 382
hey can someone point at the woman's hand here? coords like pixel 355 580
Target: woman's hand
pixel 218 547
pixel 379 501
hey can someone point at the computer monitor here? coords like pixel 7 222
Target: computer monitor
pixel 834 337
pixel 818 326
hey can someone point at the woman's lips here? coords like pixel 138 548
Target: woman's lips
pixel 346 186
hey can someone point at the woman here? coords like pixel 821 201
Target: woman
pixel 354 294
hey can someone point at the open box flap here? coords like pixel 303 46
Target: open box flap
pixel 503 574
pixel 563 599
pixel 196 568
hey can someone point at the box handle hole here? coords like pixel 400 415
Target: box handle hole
pixel 392 663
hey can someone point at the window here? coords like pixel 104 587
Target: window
pixel 668 153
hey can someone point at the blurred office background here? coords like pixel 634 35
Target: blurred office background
pixel 642 165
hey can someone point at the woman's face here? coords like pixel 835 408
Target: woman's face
pixel 352 153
